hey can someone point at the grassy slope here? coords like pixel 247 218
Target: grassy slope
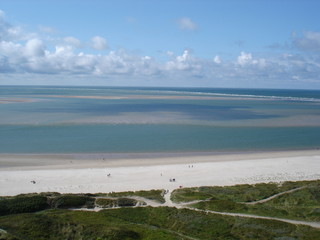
pixel 303 204
pixel 22 218
pixel 156 195
pixel 146 223
pixel 238 193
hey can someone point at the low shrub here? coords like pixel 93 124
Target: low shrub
pixel 156 195
pixel 126 202
pixel 119 202
pixel 105 202
pixel 71 201
pixel 23 204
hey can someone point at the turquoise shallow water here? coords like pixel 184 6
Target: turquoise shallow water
pixel 154 138
pixel 89 120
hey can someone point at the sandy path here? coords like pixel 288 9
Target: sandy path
pixel 311 224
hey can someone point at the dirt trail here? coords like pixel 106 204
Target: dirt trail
pixel 311 224
pixel 274 196
pixel 169 203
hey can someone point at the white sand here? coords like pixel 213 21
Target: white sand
pixel 88 173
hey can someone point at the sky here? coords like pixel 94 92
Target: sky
pixel 183 43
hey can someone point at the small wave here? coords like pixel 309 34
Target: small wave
pixel 182 92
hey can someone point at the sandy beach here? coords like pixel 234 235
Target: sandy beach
pixel 88 173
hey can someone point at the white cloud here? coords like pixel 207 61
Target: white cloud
pixel 72 41
pixel 34 48
pixel 30 54
pixel 169 53
pixel 99 43
pixel 186 24
pixel 217 59
pixel 309 42
pixel 244 58
pixel 7 31
pixel 182 62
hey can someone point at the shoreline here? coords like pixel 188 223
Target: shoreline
pixel 88 173
pixel 27 161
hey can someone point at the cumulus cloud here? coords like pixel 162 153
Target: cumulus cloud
pixel 22 53
pixel 244 58
pixel 99 43
pixel 186 24
pixel 185 62
pixel 34 48
pixel 72 41
pixel 7 31
pixel 217 59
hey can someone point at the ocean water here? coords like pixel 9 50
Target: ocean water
pixel 38 119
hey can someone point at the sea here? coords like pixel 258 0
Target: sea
pixel 68 119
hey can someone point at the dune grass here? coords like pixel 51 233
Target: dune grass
pixel 45 216
pixel 155 195
pixel 146 223
pixel 302 204
pixel 238 193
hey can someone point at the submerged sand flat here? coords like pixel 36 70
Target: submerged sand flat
pixel 88 173
pixel 14 100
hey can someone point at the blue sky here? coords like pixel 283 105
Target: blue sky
pixel 258 44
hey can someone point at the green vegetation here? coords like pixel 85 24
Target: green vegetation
pixel 28 203
pixel 23 204
pixel 48 215
pixel 71 201
pixel 146 223
pixel 117 202
pixel 302 204
pixel 238 193
pixel 106 202
pixel 155 195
